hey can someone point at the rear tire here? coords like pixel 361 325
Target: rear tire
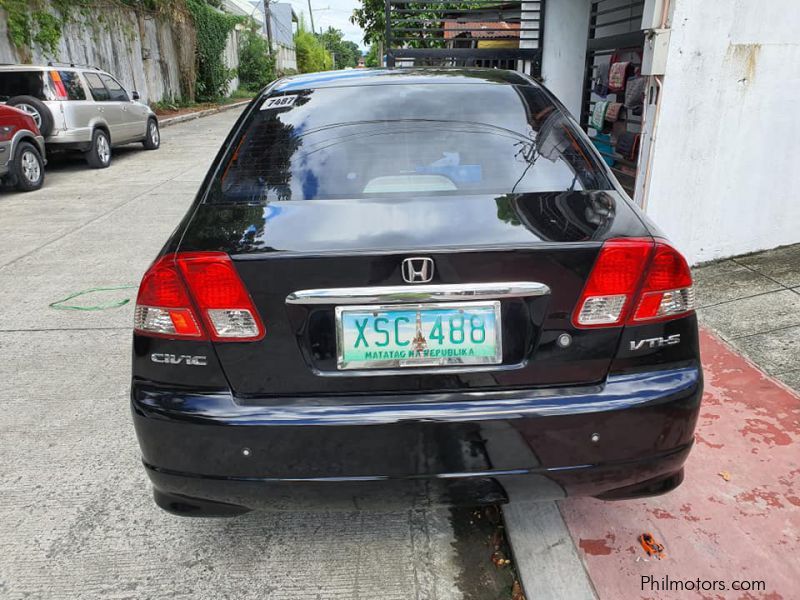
pixel 152 138
pixel 27 169
pixel 99 155
pixel 36 109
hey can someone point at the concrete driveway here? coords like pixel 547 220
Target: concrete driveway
pixel 76 514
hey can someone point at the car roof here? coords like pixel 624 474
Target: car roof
pixel 61 67
pixel 403 75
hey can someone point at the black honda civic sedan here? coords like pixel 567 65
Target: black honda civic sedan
pixel 414 285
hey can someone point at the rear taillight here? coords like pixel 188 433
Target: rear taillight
pixel 635 280
pixel 163 307
pixel 195 295
pixel 667 290
pixel 61 91
pixel 220 296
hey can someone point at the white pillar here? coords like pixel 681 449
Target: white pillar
pixel 566 29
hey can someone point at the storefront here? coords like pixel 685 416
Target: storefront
pixel 614 87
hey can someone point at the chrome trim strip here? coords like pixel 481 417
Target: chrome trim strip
pixel 400 294
pixel 475 368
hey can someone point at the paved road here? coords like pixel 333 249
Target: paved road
pixel 76 515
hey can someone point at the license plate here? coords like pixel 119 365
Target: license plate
pixel 418 335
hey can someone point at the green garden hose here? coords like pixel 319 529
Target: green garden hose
pixel 59 304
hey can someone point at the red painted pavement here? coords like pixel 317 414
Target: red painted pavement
pixel 712 529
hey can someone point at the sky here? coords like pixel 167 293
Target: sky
pixel 331 13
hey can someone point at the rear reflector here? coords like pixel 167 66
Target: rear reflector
pixel 629 273
pixel 178 322
pixel 181 291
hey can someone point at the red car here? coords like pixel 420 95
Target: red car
pixel 21 150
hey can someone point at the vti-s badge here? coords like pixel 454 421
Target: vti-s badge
pixel 179 359
pixel 656 342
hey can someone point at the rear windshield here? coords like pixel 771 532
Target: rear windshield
pixel 24 83
pixel 431 139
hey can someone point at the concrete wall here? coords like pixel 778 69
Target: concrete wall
pixel 566 23
pixel 153 55
pixel 725 173
pixel 231 58
pixel 285 59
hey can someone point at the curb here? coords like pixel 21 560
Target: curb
pixel 201 113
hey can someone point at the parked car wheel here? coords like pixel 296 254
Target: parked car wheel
pixel 36 109
pixel 99 155
pixel 27 168
pixel 153 139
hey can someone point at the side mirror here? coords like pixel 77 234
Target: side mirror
pixel 135 95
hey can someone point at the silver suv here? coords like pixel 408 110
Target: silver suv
pixel 79 108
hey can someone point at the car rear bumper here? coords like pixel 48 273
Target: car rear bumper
pixel 69 139
pixel 625 438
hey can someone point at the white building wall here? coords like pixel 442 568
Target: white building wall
pixel 726 161
pixel 566 23
pixel 231 59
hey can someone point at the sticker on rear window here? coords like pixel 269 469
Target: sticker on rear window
pixel 278 102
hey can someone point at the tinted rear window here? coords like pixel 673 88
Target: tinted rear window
pixel 24 83
pixel 385 140
pixel 72 83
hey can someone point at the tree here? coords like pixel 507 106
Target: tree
pixel 372 59
pixel 371 17
pixel 345 53
pixel 355 53
pixel 256 64
pixel 311 54
pixel 372 20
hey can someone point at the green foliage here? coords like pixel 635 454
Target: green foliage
pixel 345 53
pixel 156 6
pixel 372 20
pixel 212 28
pixel 372 59
pixel 371 17
pixel 29 24
pixel 48 32
pixel 171 104
pixel 242 93
pixel 311 54
pixel 32 23
pixel 256 64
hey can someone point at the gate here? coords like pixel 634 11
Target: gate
pixel 477 33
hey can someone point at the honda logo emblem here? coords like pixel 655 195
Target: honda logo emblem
pixel 417 269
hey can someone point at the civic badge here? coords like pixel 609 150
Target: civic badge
pixel 418 269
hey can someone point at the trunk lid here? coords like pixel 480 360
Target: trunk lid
pixel 284 247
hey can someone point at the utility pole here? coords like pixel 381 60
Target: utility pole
pixel 268 23
pixel 388 35
pixel 311 16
